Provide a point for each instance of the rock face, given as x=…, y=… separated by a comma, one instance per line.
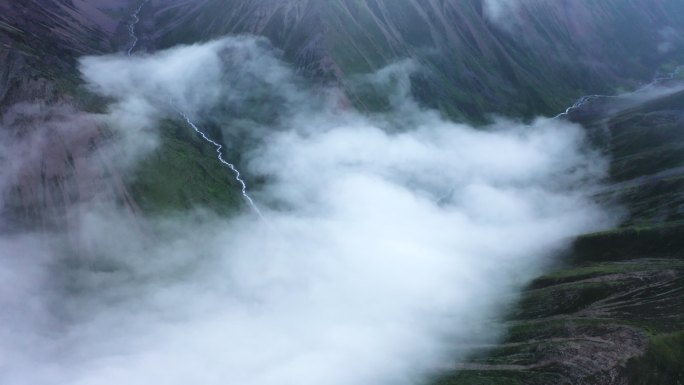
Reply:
x=534, y=58
x=611, y=313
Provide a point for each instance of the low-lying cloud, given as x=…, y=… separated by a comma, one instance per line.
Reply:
x=389, y=247
x=500, y=10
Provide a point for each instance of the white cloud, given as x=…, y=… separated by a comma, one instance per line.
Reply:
x=501, y=12
x=389, y=247
x=670, y=39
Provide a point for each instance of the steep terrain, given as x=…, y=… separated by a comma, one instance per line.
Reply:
x=39, y=91
x=473, y=65
x=41, y=40
x=611, y=312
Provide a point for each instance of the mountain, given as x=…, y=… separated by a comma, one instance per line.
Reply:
x=611, y=311
x=572, y=48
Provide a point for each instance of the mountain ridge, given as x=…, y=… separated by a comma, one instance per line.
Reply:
x=569, y=325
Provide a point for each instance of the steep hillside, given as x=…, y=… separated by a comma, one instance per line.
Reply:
x=39, y=94
x=610, y=312
x=40, y=90
x=474, y=64
x=40, y=41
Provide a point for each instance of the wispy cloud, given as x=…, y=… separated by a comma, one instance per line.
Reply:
x=392, y=240
x=502, y=12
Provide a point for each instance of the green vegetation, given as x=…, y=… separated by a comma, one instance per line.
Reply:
x=663, y=363
x=614, y=309
x=581, y=311
x=184, y=173
x=470, y=68
x=499, y=377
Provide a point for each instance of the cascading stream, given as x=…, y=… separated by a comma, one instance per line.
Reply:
x=218, y=148
x=587, y=98
x=135, y=19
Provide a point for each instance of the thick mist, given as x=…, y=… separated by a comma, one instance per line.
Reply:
x=390, y=245
x=499, y=11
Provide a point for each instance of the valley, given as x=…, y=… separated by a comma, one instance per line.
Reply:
x=609, y=309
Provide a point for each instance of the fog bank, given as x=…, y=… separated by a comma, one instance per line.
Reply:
x=391, y=242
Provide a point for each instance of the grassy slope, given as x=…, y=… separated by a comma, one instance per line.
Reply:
x=184, y=173
x=569, y=318
x=473, y=67
x=612, y=313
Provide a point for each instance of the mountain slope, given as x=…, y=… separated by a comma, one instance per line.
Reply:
x=610, y=313
x=41, y=91
x=473, y=65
